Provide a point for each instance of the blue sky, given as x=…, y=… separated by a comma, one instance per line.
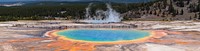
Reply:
x=34, y=0
x=76, y=0
x=39, y=0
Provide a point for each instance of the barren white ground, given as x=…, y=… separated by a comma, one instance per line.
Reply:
x=12, y=30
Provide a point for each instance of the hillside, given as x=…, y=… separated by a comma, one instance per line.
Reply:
x=167, y=10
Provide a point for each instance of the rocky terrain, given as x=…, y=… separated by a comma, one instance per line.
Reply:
x=17, y=36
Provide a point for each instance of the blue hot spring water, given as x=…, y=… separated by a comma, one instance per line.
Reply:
x=103, y=35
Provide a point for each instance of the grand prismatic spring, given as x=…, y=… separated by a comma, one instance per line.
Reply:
x=92, y=35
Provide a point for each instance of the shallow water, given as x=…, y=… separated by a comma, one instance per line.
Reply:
x=103, y=35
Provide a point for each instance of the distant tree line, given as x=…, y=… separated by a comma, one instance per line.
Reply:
x=71, y=11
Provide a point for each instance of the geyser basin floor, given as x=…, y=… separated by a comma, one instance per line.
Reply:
x=102, y=36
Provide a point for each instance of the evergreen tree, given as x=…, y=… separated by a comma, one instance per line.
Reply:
x=198, y=7
x=182, y=12
x=181, y=3
x=155, y=13
x=188, y=2
x=199, y=16
x=174, y=13
x=165, y=3
x=190, y=18
x=171, y=8
x=150, y=12
x=195, y=16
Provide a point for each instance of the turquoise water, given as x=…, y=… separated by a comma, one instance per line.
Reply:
x=103, y=35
